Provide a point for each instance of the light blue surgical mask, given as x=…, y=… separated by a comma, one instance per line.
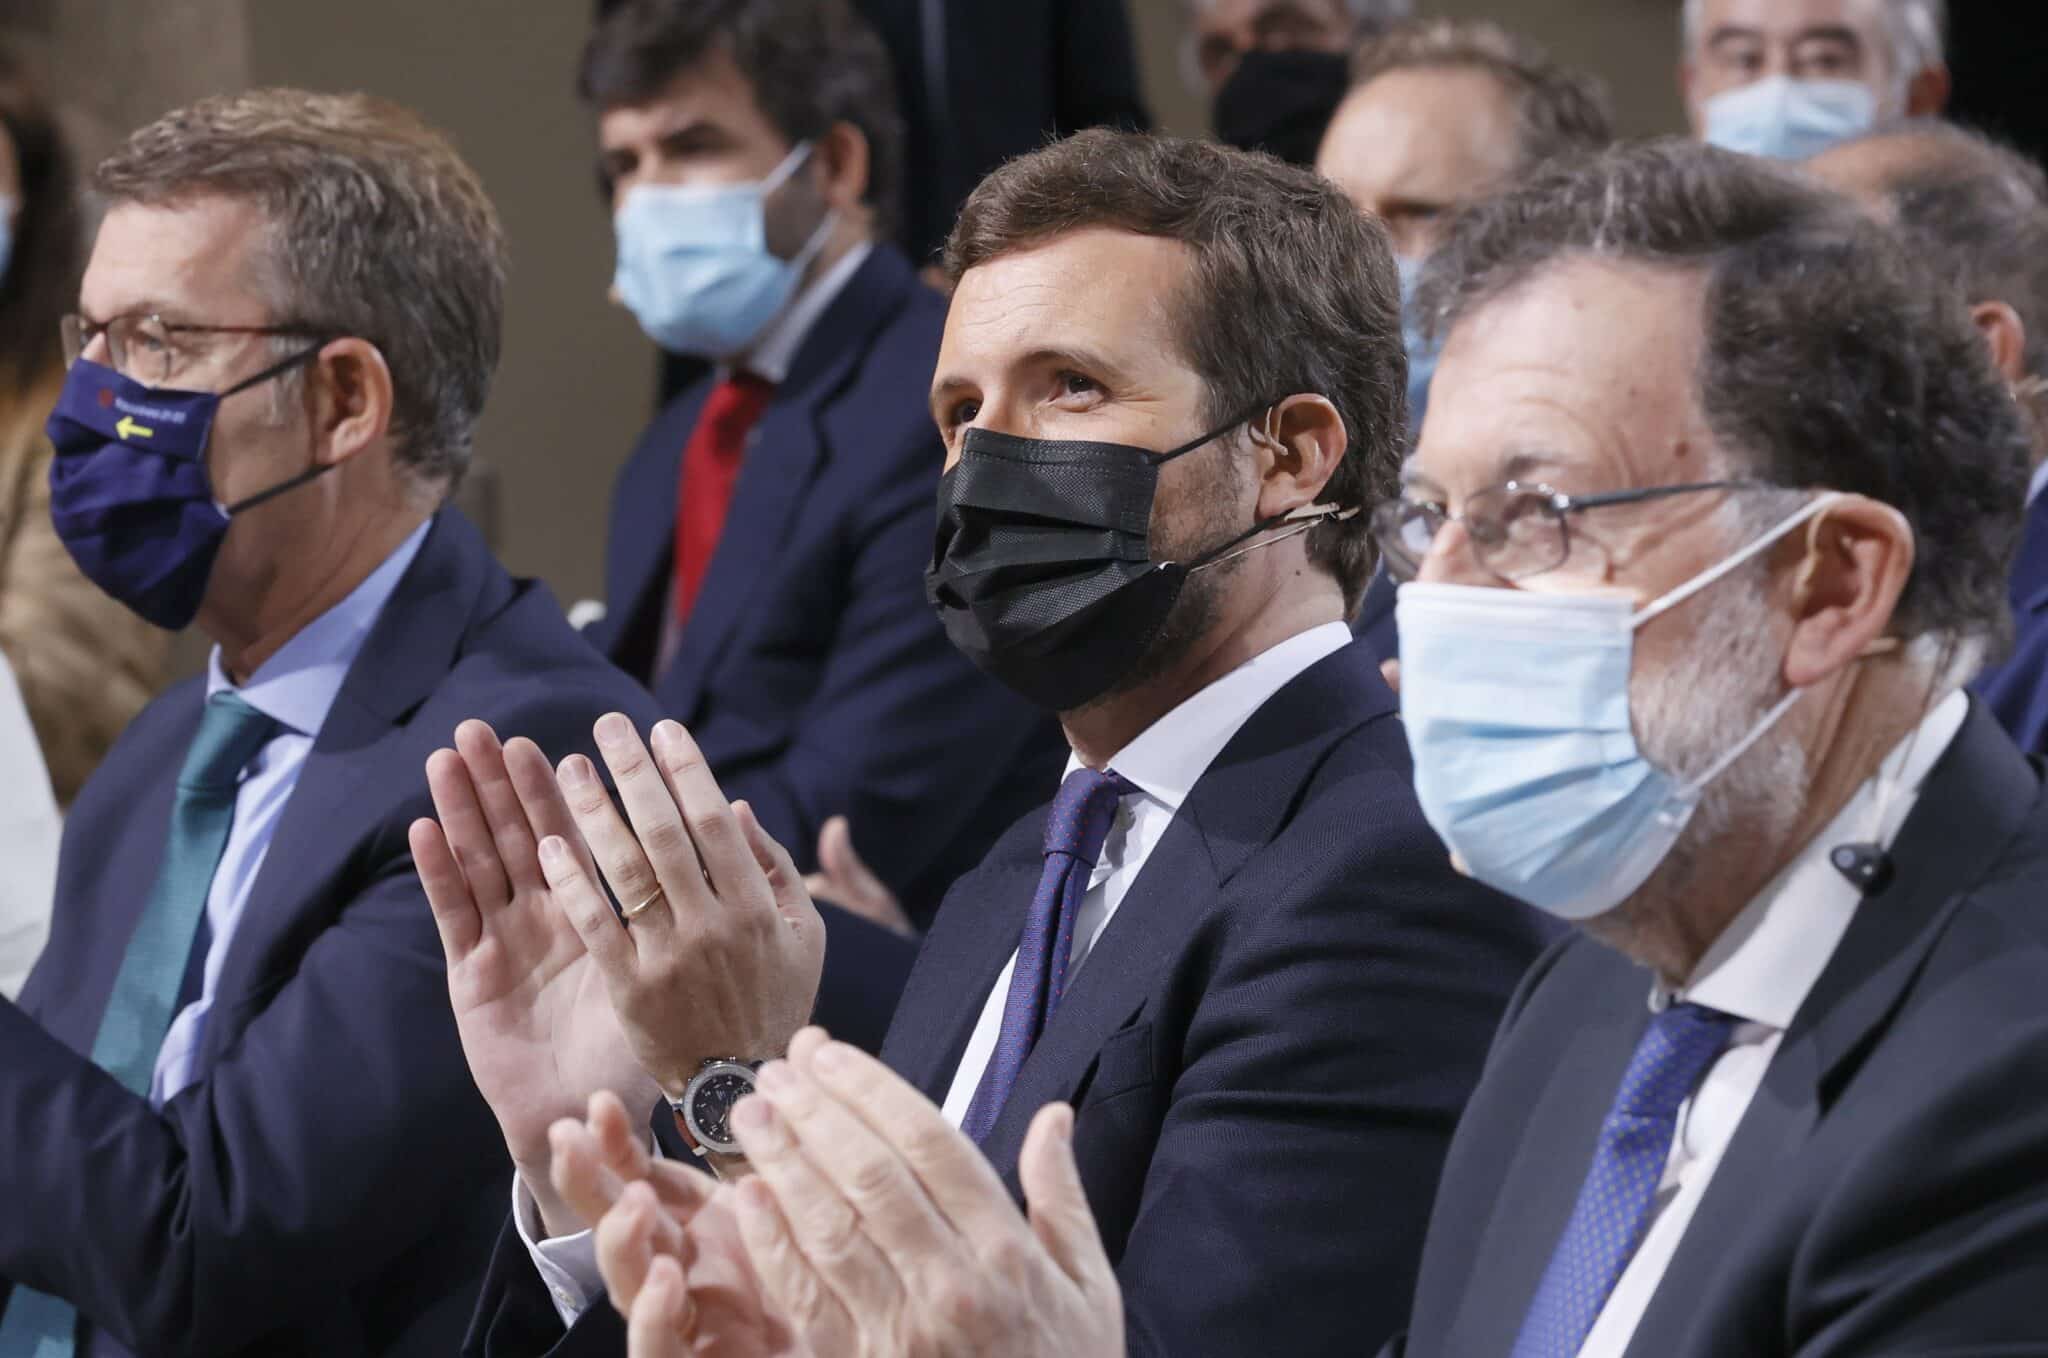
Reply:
x=1421, y=351
x=694, y=264
x=1786, y=119
x=1517, y=711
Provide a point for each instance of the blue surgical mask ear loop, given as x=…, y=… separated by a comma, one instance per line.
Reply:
x=1678, y=808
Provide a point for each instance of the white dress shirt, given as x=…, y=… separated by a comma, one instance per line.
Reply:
x=776, y=349
x=1163, y=763
x=296, y=688
x=1760, y=970
x=30, y=828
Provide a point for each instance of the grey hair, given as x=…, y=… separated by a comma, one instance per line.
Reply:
x=1834, y=358
x=1918, y=31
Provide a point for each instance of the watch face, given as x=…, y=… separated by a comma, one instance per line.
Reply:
x=714, y=1095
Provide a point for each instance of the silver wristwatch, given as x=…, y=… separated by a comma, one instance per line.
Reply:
x=704, y=1112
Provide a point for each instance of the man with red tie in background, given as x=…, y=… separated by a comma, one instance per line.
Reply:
x=764, y=573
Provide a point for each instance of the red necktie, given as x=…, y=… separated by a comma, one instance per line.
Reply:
x=711, y=467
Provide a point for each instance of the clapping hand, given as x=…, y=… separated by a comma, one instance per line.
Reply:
x=669, y=1230
x=716, y=950
x=877, y=1229
x=536, y=1023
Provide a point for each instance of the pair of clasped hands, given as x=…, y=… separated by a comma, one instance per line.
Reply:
x=860, y=1221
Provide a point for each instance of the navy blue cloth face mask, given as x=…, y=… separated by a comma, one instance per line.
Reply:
x=129, y=490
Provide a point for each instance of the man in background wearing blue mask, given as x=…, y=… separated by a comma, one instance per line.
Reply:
x=1789, y=78
x=1442, y=112
x=764, y=571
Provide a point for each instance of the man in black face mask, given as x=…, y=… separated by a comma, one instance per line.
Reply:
x=1171, y=377
x=1274, y=70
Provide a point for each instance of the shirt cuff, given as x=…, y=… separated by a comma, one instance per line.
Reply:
x=567, y=1263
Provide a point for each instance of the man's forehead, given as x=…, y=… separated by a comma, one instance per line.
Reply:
x=1427, y=131
x=709, y=90
x=1586, y=362
x=188, y=252
x=1109, y=285
x=1788, y=18
x=1230, y=14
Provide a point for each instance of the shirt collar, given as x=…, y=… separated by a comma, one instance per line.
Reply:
x=297, y=686
x=1169, y=756
x=776, y=350
x=2037, y=483
x=1766, y=961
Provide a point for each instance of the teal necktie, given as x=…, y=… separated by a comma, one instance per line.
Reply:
x=140, y=1010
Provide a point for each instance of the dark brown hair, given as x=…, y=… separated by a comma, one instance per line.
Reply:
x=41, y=281
x=378, y=230
x=1558, y=110
x=1292, y=289
x=811, y=63
x=1833, y=356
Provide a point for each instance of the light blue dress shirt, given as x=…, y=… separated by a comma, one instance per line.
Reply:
x=296, y=687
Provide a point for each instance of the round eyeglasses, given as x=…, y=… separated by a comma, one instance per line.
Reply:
x=1516, y=529
x=149, y=349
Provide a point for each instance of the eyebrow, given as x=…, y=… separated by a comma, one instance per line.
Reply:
x=1516, y=466
x=1091, y=362
x=1840, y=33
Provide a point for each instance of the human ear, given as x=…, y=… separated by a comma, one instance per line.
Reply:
x=1301, y=442
x=352, y=398
x=1846, y=587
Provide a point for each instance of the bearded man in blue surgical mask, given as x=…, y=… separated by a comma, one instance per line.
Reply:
x=764, y=572
x=1788, y=79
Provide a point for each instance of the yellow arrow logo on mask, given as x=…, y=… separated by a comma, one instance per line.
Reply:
x=127, y=428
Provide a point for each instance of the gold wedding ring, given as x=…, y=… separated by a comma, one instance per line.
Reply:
x=634, y=912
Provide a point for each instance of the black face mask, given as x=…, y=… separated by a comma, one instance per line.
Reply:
x=1042, y=571
x=1281, y=102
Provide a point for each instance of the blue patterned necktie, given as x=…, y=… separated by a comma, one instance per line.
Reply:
x=145, y=994
x=1613, y=1210
x=1074, y=833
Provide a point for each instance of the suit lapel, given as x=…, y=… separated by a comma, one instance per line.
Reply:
x=1553, y=1153
x=2029, y=587
x=407, y=654
x=781, y=463
x=1234, y=809
x=641, y=549
x=1977, y=798
x=976, y=931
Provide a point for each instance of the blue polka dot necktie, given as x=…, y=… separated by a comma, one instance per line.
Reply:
x=1074, y=833
x=145, y=995
x=1613, y=1210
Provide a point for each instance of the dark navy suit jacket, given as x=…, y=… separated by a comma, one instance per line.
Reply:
x=1886, y=1192
x=2017, y=691
x=332, y=1182
x=1374, y=622
x=812, y=671
x=1267, y=1050
x=1272, y=1039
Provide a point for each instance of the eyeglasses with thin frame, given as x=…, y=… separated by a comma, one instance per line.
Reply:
x=146, y=348
x=1517, y=530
